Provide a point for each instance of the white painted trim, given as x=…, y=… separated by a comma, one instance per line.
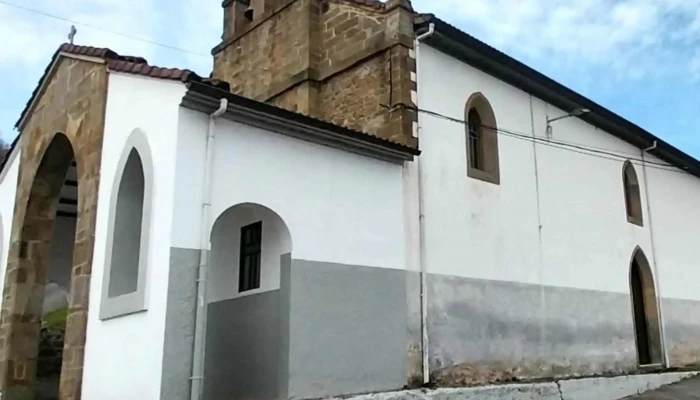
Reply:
x=10, y=159
x=96, y=60
x=2, y=239
x=130, y=303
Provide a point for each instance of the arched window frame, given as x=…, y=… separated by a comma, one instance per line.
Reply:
x=482, y=160
x=130, y=303
x=632, y=194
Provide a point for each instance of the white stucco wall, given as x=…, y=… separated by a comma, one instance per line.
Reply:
x=225, y=251
x=124, y=355
x=8, y=189
x=675, y=214
x=557, y=218
x=339, y=207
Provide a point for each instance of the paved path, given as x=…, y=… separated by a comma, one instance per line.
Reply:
x=688, y=389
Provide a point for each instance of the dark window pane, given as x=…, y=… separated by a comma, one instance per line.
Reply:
x=250, y=256
x=475, y=142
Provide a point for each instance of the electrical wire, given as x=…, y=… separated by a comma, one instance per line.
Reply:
x=125, y=35
x=620, y=159
x=572, y=147
x=600, y=152
x=567, y=146
x=529, y=136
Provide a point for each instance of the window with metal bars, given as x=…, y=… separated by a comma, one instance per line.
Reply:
x=633, y=198
x=475, y=142
x=250, y=255
x=481, y=140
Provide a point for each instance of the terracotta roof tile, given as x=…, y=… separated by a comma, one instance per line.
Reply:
x=98, y=52
x=118, y=63
x=182, y=75
x=422, y=18
x=216, y=93
x=139, y=66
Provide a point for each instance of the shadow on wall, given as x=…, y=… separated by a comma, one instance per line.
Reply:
x=233, y=273
x=55, y=307
x=243, y=354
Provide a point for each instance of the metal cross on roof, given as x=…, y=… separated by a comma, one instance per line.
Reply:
x=72, y=33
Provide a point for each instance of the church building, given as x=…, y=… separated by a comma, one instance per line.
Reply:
x=360, y=198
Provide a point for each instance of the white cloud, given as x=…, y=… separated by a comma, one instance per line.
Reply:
x=635, y=38
x=623, y=39
x=201, y=28
x=31, y=38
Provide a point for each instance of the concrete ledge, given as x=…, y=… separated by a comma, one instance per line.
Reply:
x=618, y=387
x=572, y=389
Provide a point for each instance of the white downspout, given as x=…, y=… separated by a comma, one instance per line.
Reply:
x=657, y=278
x=201, y=310
x=421, y=230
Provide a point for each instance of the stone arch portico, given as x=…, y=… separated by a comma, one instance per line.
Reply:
x=63, y=125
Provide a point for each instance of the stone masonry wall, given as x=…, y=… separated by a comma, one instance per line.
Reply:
x=266, y=53
x=66, y=124
x=346, y=30
x=335, y=60
x=344, y=61
x=354, y=98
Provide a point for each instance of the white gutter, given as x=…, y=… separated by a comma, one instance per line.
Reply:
x=657, y=278
x=421, y=229
x=652, y=147
x=201, y=310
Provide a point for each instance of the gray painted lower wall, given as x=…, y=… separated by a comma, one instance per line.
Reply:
x=337, y=329
x=484, y=331
x=179, y=324
x=414, y=363
x=242, y=357
x=347, y=329
x=682, y=331
x=481, y=331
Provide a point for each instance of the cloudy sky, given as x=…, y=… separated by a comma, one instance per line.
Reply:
x=640, y=58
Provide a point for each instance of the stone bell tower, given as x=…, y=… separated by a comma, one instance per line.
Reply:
x=344, y=61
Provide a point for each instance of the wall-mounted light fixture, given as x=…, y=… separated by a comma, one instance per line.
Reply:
x=575, y=113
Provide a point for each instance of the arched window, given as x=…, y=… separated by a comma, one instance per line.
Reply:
x=482, y=140
x=126, y=242
x=633, y=200
x=128, y=236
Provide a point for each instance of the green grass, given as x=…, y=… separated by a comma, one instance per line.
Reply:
x=56, y=320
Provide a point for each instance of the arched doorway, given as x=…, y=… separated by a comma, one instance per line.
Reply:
x=46, y=285
x=645, y=311
x=249, y=243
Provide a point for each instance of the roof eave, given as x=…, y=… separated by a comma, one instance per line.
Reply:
x=472, y=51
x=205, y=98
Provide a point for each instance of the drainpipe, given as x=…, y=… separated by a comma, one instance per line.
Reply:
x=201, y=310
x=421, y=230
x=657, y=278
